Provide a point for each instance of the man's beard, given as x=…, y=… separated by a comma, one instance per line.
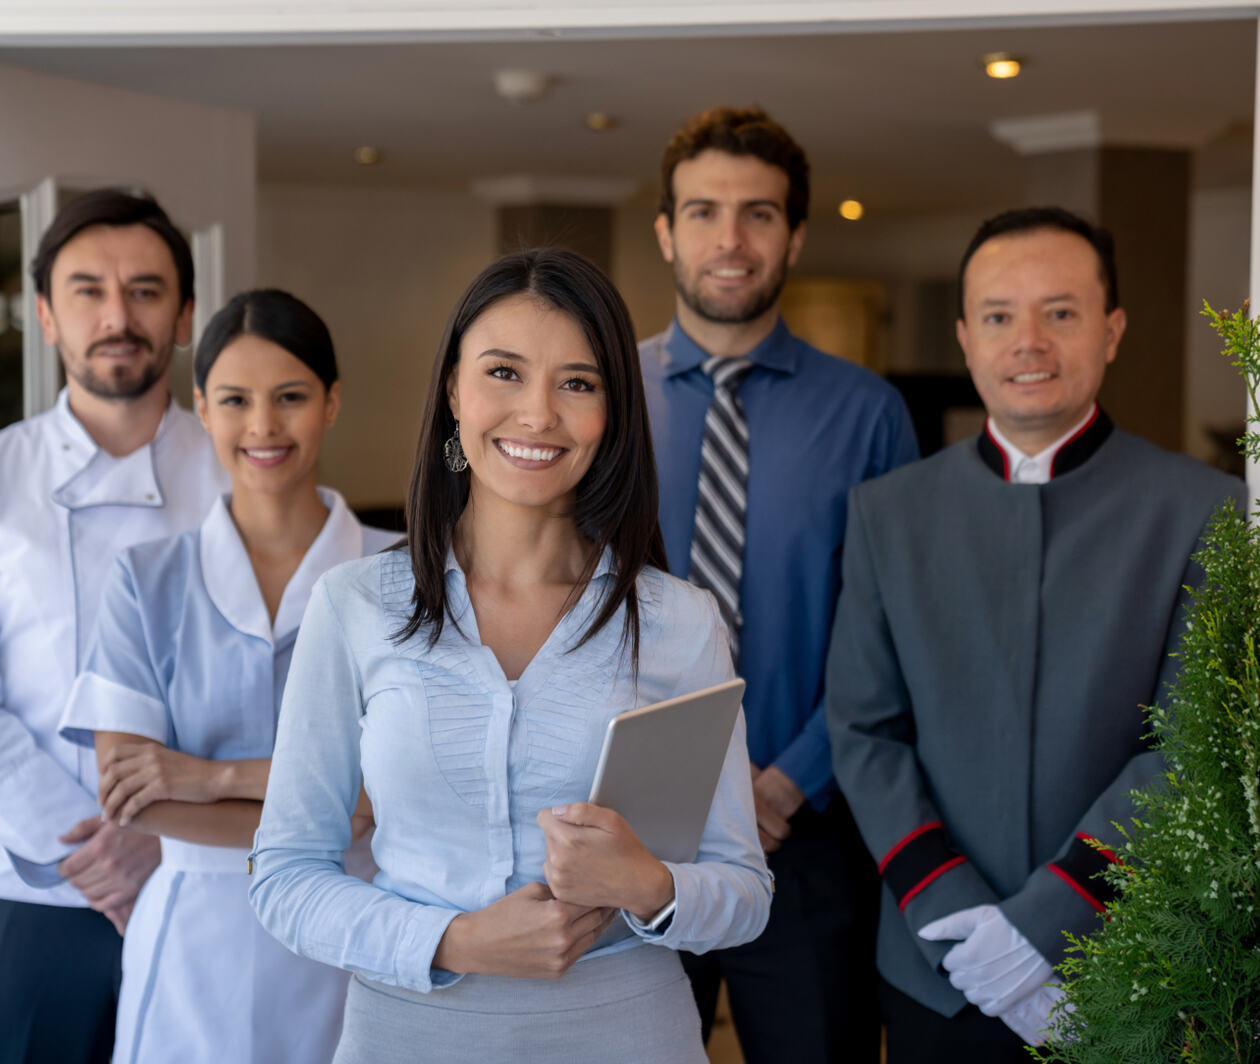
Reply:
x=122, y=382
x=754, y=304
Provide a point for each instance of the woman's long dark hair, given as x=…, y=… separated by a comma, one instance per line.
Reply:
x=616, y=504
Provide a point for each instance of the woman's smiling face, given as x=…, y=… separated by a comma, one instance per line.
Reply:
x=266, y=412
x=530, y=402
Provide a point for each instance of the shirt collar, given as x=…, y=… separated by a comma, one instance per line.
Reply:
x=777, y=351
x=229, y=575
x=603, y=567
x=96, y=478
x=1063, y=455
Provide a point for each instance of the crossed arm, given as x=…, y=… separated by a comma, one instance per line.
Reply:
x=152, y=789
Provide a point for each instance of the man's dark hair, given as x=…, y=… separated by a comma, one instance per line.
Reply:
x=114, y=207
x=1026, y=219
x=739, y=131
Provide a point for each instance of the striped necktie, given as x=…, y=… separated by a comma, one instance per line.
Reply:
x=717, y=542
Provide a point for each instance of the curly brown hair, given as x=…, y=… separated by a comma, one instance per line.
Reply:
x=739, y=131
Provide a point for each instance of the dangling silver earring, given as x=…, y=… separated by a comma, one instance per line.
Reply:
x=453, y=452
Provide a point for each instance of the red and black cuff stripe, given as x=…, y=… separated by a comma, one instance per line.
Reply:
x=1080, y=869
x=920, y=857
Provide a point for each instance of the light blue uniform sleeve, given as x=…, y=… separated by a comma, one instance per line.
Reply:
x=723, y=898
x=300, y=891
x=118, y=689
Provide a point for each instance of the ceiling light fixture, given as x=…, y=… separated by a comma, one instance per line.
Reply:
x=1001, y=65
x=851, y=210
x=601, y=122
x=367, y=155
x=522, y=86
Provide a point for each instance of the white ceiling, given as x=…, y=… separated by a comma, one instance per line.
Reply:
x=898, y=120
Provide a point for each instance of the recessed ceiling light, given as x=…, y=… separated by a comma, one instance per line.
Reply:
x=851, y=210
x=522, y=86
x=601, y=122
x=1001, y=65
x=367, y=155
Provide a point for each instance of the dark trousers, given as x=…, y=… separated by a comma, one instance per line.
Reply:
x=60, y=970
x=917, y=1034
x=805, y=990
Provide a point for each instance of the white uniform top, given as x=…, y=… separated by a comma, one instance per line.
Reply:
x=66, y=509
x=186, y=654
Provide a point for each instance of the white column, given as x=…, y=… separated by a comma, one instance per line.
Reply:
x=39, y=360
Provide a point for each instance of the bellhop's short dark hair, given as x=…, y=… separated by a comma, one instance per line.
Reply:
x=1027, y=219
x=273, y=315
x=739, y=131
x=114, y=207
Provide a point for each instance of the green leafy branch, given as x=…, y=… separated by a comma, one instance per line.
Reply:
x=1240, y=339
x=1172, y=976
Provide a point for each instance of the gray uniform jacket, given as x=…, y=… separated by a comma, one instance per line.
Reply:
x=993, y=646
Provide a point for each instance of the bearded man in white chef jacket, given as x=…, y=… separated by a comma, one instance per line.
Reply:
x=115, y=462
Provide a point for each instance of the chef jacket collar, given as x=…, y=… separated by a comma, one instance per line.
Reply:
x=229, y=575
x=96, y=478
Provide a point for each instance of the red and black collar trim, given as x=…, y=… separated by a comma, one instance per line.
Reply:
x=1075, y=451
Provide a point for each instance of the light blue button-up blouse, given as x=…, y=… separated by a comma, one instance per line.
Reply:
x=458, y=763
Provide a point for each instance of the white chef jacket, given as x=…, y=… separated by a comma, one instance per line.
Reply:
x=66, y=509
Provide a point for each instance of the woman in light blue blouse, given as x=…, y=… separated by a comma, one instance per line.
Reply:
x=180, y=692
x=468, y=682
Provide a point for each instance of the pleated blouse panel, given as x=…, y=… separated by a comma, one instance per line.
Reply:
x=501, y=752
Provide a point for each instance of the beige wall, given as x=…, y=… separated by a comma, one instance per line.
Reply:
x=641, y=275
x=383, y=267
x=1220, y=221
x=197, y=160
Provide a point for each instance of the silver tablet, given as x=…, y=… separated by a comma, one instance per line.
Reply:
x=660, y=765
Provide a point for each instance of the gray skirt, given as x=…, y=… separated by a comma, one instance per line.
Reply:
x=633, y=1007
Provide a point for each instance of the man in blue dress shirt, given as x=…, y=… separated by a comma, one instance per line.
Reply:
x=735, y=192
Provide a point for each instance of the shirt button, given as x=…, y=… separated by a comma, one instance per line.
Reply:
x=149, y=496
x=65, y=446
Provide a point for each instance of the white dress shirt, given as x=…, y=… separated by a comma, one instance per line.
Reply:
x=1036, y=468
x=66, y=509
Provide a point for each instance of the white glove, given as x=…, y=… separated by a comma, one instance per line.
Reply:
x=994, y=965
x=1030, y=1018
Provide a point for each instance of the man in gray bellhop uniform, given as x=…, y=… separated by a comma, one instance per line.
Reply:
x=1009, y=605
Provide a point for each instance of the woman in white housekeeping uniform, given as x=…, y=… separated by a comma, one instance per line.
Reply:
x=180, y=693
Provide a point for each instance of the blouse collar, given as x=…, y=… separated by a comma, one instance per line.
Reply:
x=229, y=575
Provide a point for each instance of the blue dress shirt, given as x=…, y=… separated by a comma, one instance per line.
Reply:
x=458, y=762
x=817, y=425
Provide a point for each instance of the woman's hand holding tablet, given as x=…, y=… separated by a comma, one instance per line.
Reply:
x=595, y=858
